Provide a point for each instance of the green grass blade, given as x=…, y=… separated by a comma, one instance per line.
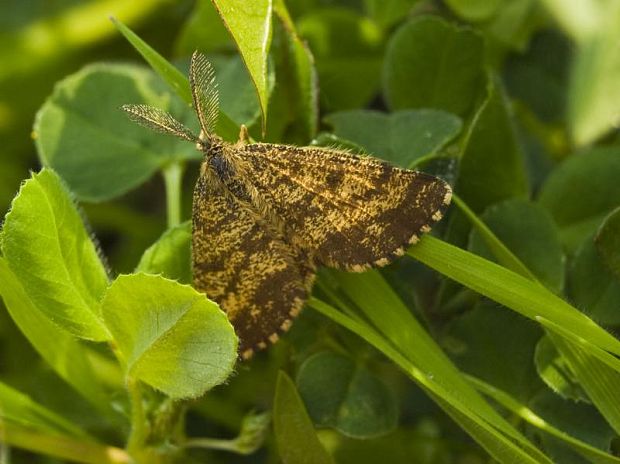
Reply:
x=173, y=77
x=591, y=453
x=459, y=400
x=510, y=289
x=18, y=408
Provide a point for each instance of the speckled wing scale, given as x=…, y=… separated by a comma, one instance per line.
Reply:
x=265, y=216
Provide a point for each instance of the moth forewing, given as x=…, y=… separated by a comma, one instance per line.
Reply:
x=158, y=120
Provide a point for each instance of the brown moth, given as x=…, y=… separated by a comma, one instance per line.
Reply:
x=266, y=215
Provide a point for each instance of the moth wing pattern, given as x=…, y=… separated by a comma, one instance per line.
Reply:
x=204, y=92
x=240, y=263
x=158, y=120
x=348, y=212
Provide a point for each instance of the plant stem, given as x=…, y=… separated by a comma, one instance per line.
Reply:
x=212, y=443
x=139, y=426
x=173, y=177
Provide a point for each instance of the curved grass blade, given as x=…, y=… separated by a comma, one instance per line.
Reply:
x=510, y=289
x=591, y=453
x=498, y=437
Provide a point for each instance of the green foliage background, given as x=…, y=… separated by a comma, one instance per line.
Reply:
x=497, y=341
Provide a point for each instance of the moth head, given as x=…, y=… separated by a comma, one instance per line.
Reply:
x=209, y=144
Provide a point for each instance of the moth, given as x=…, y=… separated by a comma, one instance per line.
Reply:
x=265, y=216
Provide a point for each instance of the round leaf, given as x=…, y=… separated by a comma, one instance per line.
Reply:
x=497, y=346
x=171, y=337
x=430, y=63
x=348, y=48
x=170, y=255
x=581, y=191
x=47, y=247
x=83, y=134
x=344, y=395
x=400, y=137
x=608, y=242
x=592, y=287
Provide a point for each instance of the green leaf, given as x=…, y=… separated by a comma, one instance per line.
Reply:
x=48, y=249
x=171, y=75
x=492, y=167
x=252, y=33
x=555, y=371
x=295, y=436
x=539, y=77
x=171, y=255
x=65, y=355
x=530, y=233
x=170, y=336
x=607, y=242
x=82, y=133
x=348, y=49
x=582, y=191
x=497, y=346
x=343, y=394
x=592, y=287
x=18, y=408
x=430, y=63
x=401, y=137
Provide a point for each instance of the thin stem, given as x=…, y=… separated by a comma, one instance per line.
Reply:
x=173, y=177
x=212, y=443
x=139, y=426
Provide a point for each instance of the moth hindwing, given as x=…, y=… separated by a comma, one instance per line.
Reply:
x=265, y=216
